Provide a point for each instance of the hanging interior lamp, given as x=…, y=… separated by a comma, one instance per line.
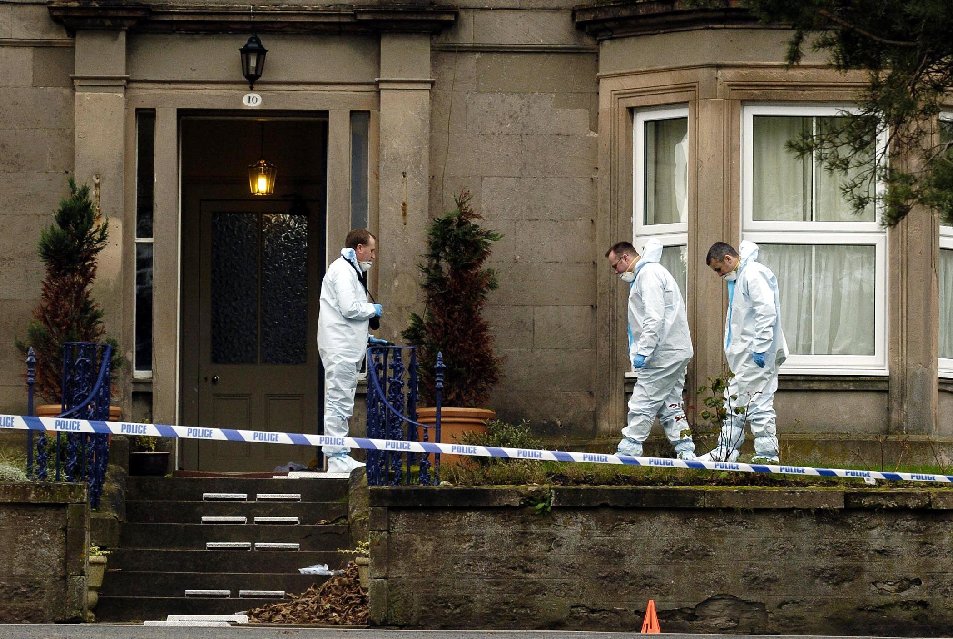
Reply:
x=262, y=174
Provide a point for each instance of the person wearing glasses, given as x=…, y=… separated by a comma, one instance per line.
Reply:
x=755, y=349
x=660, y=347
x=342, y=338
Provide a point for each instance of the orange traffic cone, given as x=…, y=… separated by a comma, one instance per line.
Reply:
x=650, y=625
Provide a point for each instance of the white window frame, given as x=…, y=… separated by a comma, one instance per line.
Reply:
x=859, y=233
x=668, y=234
x=642, y=116
x=945, y=364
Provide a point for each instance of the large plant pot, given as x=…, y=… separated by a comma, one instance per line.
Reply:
x=454, y=422
x=151, y=463
x=52, y=410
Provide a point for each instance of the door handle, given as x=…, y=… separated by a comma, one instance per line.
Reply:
x=215, y=379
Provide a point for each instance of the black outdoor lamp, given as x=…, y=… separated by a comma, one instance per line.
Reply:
x=253, y=60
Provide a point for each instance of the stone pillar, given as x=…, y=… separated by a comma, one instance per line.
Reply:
x=913, y=317
x=165, y=281
x=99, y=152
x=404, y=168
x=715, y=219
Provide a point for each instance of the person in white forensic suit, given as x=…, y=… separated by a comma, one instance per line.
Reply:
x=343, y=337
x=755, y=349
x=660, y=347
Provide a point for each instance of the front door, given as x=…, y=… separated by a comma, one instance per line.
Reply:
x=256, y=360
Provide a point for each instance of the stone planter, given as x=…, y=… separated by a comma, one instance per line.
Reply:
x=363, y=571
x=95, y=572
x=149, y=463
x=454, y=422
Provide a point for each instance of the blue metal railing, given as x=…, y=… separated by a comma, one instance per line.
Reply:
x=74, y=457
x=392, y=393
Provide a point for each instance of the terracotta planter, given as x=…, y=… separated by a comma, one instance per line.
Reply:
x=149, y=463
x=52, y=410
x=454, y=422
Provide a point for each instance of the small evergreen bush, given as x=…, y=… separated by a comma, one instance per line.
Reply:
x=456, y=285
x=67, y=312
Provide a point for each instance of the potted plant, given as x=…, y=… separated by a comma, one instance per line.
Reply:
x=145, y=459
x=95, y=572
x=67, y=312
x=456, y=285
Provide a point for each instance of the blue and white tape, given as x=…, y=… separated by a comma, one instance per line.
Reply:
x=55, y=424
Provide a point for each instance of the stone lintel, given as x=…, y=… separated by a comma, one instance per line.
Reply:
x=337, y=19
x=621, y=19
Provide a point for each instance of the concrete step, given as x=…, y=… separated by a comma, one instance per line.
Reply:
x=194, y=536
x=133, y=559
x=190, y=512
x=135, y=609
x=192, y=488
x=174, y=584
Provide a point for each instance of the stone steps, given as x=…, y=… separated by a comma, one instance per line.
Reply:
x=174, y=560
x=174, y=584
x=193, y=511
x=163, y=544
x=195, y=536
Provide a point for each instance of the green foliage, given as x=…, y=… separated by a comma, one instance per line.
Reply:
x=504, y=435
x=542, y=505
x=361, y=549
x=10, y=472
x=96, y=551
x=143, y=443
x=906, y=49
x=456, y=285
x=67, y=313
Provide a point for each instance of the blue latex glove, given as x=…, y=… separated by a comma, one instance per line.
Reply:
x=639, y=361
x=378, y=310
x=374, y=341
x=758, y=359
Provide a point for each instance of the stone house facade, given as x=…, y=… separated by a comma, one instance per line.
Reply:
x=573, y=127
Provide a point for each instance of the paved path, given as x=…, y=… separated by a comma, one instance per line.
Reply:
x=104, y=631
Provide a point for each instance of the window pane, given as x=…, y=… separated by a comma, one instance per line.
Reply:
x=674, y=258
x=827, y=296
x=234, y=298
x=781, y=181
x=284, y=289
x=666, y=171
x=360, y=125
x=143, y=354
x=145, y=173
x=831, y=205
x=946, y=303
x=788, y=188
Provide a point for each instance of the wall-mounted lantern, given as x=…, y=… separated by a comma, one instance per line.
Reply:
x=253, y=60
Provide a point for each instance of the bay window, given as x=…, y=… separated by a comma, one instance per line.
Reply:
x=945, y=272
x=829, y=260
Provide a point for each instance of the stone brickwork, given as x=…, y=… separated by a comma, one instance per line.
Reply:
x=514, y=121
x=45, y=532
x=36, y=151
x=715, y=560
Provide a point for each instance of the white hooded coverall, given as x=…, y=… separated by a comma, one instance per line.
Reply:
x=753, y=325
x=342, y=342
x=658, y=329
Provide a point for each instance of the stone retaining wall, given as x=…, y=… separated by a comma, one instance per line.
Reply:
x=44, y=530
x=873, y=561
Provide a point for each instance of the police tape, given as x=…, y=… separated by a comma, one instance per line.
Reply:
x=56, y=424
